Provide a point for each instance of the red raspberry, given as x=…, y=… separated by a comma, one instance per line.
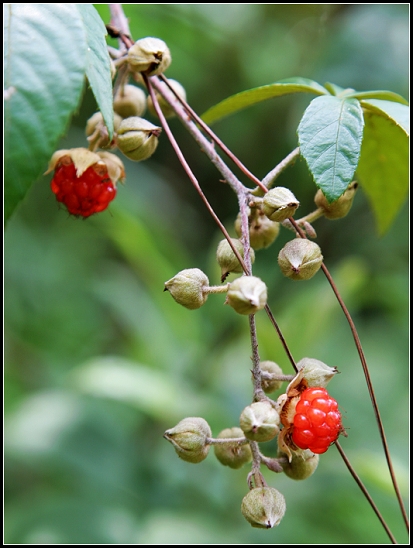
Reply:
x=84, y=195
x=317, y=421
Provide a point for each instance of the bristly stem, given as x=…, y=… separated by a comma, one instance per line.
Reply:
x=367, y=377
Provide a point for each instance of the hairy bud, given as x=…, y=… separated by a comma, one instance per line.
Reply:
x=247, y=295
x=269, y=370
x=260, y=421
x=149, y=55
x=227, y=259
x=315, y=372
x=263, y=507
x=300, y=259
x=339, y=208
x=189, y=438
x=303, y=464
x=263, y=232
x=137, y=138
x=187, y=288
x=279, y=204
x=234, y=455
x=130, y=101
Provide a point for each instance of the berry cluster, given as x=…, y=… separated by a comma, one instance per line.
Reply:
x=317, y=421
x=85, y=195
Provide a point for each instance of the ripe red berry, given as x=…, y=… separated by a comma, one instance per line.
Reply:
x=87, y=194
x=317, y=420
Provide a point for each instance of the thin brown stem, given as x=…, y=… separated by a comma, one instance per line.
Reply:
x=368, y=380
x=214, y=137
x=365, y=492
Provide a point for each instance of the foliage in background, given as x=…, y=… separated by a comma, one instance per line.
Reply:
x=99, y=363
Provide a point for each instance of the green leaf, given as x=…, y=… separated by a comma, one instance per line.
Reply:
x=98, y=70
x=379, y=94
x=250, y=97
x=45, y=62
x=399, y=114
x=330, y=135
x=383, y=170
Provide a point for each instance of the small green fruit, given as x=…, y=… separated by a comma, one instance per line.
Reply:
x=269, y=370
x=303, y=464
x=189, y=438
x=300, y=259
x=187, y=288
x=137, y=138
x=227, y=259
x=260, y=421
x=233, y=456
x=149, y=55
x=339, y=208
x=279, y=203
x=247, y=295
x=130, y=101
x=263, y=507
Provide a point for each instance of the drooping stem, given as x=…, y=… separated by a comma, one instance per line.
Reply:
x=367, y=377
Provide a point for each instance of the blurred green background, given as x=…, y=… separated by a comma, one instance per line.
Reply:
x=99, y=361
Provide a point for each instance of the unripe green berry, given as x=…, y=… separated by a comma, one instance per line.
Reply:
x=187, y=288
x=300, y=259
x=279, y=203
x=270, y=369
x=233, y=456
x=315, y=372
x=227, y=259
x=263, y=232
x=260, y=421
x=149, y=55
x=247, y=294
x=166, y=108
x=137, y=138
x=189, y=438
x=263, y=507
x=130, y=101
x=303, y=464
x=339, y=208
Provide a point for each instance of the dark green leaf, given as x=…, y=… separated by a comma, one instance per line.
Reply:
x=399, y=114
x=383, y=170
x=45, y=62
x=379, y=94
x=330, y=135
x=250, y=97
x=98, y=62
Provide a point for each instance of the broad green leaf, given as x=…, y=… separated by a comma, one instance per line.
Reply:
x=379, y=94
x=330, y=135
x=383, y=170
x=45, y=63
x=250, y=97
x=399, y=114
x=98, y=62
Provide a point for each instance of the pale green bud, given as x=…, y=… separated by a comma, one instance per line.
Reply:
x=137, y=138
x=187, y=288
x=279, y=204
x=260, y=421
x=130, y=101
x=247, y=295
x=233, y=456
x=339, y=208
x=149, y=55
x=303, y=464
x=315, y=372
x=189, y=438
x=270, y=369
x=166, y=108
x=300, y=259
x=263, y=232
x=263, y=507
x=227, y=259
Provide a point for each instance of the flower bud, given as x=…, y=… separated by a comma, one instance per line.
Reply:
x=187, y=288
x=303, y=464
x=189, y=438
x=166, y=108
x=315, y=372
x=247, y=294
x=260, y=421
x=300, y=259
x=263, y=507
x=270, y=369
x=227, y=259
x=262, y=230
x=233, y=456
x=149, y=55
x=279, y=204
x=137, y=138
x=96, y=129
x=129, y=101
x=340, y=207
